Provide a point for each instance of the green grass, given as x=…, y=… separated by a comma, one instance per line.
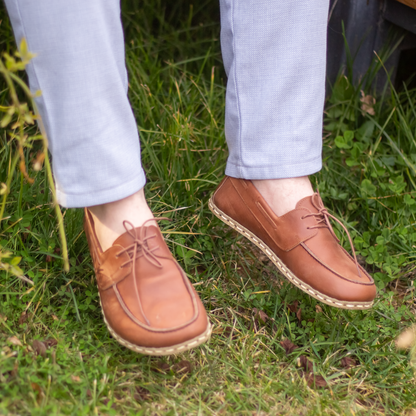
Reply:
x=177, y=88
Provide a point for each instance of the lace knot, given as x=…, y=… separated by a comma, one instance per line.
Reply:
x=139, y=246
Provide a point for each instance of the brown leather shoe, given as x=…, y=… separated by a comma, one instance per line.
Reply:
x=148, y=303
x=301, y=244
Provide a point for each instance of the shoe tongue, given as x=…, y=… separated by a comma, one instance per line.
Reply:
x=313, y=203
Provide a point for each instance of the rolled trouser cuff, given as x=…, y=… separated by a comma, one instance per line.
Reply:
x=103, y=196
x=274, y=171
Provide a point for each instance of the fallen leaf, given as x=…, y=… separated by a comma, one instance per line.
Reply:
x=6, y=350
x=75, y=379
x=294, y=306
x=299, y=314
x=141, y=394
x=318, y=309
x=38, y=391
x=406, y=339
x=39, y=347
x=218, y=329
x=55, y=318
x=50, y=342
x=305, y=363
x=117, y=396
x=36, y=387
x=23, y=318
x=260, y=315
x=48, y=258
x=227, y=332
x=182, y=367
x=348, y=362
x=13, y=372
x=57, y=250
x=37, y=163
x=288, y=346
x=15, y=341
x=368, y=103
x=315, y=381
x=161, y=367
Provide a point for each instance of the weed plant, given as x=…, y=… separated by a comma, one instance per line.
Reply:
x=57, y=357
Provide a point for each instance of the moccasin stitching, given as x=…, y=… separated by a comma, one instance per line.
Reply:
x=266, y=215
x=150, y=328
x=359, y=265
x=221, y=185
x=332, y=270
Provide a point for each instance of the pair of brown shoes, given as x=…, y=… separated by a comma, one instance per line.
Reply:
x=150, y=306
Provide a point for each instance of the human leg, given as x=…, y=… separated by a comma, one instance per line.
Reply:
x=148, y=302
x=91, y=129
x=274, y=55
x=79, y=67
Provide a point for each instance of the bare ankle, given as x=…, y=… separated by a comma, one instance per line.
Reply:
x=282, y=195
x=108, y=218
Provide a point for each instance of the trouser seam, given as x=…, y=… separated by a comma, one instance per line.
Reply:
x=236, y=85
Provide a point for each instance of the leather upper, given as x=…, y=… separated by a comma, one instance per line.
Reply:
x=145, y=295
x=302, y=238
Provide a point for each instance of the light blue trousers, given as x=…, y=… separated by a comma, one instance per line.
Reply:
x=274, y=53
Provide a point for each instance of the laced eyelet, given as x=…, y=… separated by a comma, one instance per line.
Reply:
x=302, y=218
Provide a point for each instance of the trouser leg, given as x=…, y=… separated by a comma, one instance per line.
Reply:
x=274, y=54
x=80, y=69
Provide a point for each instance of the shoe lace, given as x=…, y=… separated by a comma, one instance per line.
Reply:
x=322, y=217
x=139, y=248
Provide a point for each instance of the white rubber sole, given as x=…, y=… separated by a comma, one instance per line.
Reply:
x=282, y=267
